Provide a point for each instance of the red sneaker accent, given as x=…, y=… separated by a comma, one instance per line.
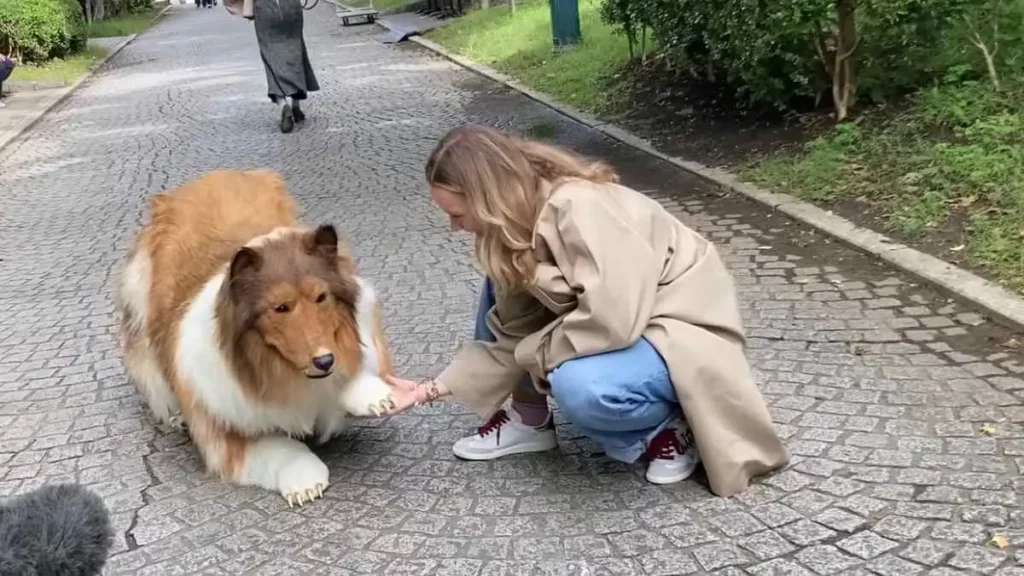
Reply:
x=665, y=446
x=495, y=423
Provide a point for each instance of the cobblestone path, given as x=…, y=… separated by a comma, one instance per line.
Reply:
x=903, y=411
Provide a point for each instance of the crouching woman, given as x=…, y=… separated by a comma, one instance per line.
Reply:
x=598, y=297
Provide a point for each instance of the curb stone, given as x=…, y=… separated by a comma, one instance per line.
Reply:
x=27, y=124
x=994, y=300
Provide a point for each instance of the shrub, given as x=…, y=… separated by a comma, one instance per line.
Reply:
x=114, y=8
x=781, y=52
x=37, y=30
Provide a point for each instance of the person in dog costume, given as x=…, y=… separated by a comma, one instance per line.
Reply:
x=598, y=297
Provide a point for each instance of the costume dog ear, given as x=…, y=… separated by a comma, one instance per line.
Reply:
x=323, y=241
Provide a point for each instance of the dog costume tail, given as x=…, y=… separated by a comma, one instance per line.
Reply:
x=60, y=529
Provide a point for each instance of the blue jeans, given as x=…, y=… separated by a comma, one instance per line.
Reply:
x=619, y=399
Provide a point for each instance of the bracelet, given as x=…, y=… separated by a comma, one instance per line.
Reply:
x=432, y=392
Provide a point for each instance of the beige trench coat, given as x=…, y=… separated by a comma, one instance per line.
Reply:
x=615, y=266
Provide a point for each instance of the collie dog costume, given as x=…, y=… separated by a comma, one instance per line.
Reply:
x=250, y=329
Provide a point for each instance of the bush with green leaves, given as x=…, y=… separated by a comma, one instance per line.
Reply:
x=38, y=30
x=114, y=8
x=782, y=52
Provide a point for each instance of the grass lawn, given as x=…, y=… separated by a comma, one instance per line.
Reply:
x=69, y=69
x=945, y=172
x=66, y=70
x=124, y=25
x=381, y=5
x=952, y=163
x=519, y=45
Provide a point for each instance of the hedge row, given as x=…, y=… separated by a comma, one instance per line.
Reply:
x=782, y=52
x=37, y=30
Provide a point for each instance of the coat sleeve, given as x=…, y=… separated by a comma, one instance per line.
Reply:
x=613, y=271
x=482, y=375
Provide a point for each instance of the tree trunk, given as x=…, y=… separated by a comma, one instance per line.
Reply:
x=88, y=11
x=643, y=45
x=988, y=53
x=98, y=10
x=844, y=72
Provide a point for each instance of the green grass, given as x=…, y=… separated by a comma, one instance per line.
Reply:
x=956, y=153
x=124, y=25
x=519, y=44
x=67, y=70
x=60, y=70
x=381, y=5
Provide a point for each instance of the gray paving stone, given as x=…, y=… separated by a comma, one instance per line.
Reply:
x=890, y=565
x=977, y=558
x=825, y=559
x=879, y=396
x=766, y=545
x=866, y=544
x=927, y=552
x=779, y=567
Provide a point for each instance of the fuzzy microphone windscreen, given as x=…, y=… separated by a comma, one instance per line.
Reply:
x=56, y=530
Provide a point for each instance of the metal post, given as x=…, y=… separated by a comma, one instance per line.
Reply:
x=565, y=23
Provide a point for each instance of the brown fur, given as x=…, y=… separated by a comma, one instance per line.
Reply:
x=285, y=299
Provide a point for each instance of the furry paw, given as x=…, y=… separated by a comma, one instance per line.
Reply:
x=177, y=422
x=367, y=395
x=303, y=480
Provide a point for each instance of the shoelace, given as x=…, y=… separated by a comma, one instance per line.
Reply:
x=665, y=446
x=499, y=419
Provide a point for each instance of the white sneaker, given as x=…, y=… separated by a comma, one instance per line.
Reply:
x=673, y=454
x=506, y=434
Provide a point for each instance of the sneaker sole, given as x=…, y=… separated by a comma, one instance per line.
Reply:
x=535, y=446
x=676, y=477
x=670, y=479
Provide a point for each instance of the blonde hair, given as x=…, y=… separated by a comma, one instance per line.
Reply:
x=502, y=178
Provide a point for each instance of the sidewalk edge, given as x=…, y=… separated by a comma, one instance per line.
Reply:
x=56, y=100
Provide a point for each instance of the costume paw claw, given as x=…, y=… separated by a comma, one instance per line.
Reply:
x=301, y=497
x=382, y=407
x=303, y=480
x=368, y=396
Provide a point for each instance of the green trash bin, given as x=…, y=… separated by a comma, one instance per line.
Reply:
x=565, y=23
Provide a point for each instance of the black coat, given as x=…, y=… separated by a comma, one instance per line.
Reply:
x=6, y=67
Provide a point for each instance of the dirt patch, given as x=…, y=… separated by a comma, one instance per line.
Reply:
x=701, y=122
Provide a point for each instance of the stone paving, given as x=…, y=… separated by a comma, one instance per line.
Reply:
x=903, y=410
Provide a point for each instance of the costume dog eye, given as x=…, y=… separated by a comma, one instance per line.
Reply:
x=281, y=308
x=321, y=298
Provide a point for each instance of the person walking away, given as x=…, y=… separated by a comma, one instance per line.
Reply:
x=6, y=69
x=596, y=296
x=290, y=76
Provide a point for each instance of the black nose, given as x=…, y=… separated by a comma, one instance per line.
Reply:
x=324, y=362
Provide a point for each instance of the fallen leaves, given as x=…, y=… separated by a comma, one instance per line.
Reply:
x=1012, y=343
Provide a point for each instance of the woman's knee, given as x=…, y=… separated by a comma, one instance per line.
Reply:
x=580, y=391
x=604, y=391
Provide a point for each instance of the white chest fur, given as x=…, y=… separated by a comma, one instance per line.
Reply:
x=202, y=365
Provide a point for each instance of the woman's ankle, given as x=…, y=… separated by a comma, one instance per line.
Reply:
x=532, y=414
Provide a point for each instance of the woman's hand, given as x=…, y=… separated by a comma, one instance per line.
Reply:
x=406, y=393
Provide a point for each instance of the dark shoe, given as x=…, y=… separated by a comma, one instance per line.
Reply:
x=298, y=114
x=287, y=120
